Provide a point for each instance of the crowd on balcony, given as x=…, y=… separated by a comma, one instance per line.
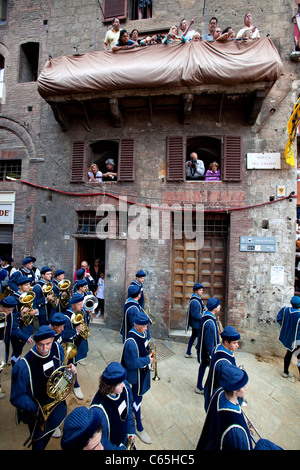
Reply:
x=119, y=39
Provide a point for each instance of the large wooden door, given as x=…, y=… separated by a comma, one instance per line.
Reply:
x=207, y=265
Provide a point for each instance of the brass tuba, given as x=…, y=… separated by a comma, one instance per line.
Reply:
x=64, y=286
x=90, y=302
x=47, y=290
x=78, y=318
x=70, y=350
x=59, y=386
x=27, y=300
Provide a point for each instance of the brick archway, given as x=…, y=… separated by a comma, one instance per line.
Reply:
x=21, y=132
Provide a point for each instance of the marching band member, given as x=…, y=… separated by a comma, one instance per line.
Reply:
x=195, y=311
x=136, y=359
x=6, y=330
x=289, y=320
x=26, y=269
x=138, y=281
x=221, y=360
x=57, y=324
x=19, y=340
x=42, y=301
x=73, y=333
x=83, y=431
x=131, y=309
x=113, y=400
x=208, y=338
x=29, y=386
x=225, y=426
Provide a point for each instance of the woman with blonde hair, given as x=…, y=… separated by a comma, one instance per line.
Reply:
x=173, y=36
x=94, y=174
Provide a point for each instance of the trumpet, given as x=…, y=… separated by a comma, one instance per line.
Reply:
x=47, y=289
x=130, y=443
x=147, y=311
x=64, y=286
x=252, y=429
x=154, y=353
x=27, y=300
x=76, y=319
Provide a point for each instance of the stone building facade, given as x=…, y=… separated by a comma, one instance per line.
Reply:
x=55, y=212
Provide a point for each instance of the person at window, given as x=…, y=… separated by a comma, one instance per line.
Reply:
x=149, y=40
x=194, y=168
x=173, y=36
x=196, y=37
x=124, y=42
x=94, y=174
x=213, y=172
x=111, y=174
x=185, y=28
x=213, y=22
x=248, y=30
x=112, y=36
x=144, y=9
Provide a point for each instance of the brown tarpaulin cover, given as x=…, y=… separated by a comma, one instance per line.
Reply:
x=173, y=65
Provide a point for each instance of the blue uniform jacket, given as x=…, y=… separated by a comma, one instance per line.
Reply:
x=289, y=319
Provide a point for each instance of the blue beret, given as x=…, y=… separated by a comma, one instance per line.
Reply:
x=295, y=301
x=81, y=282
x=140, y=273
x=212, y=303
x=114, y=374
x=238, y=379
x=133, y=290
x=58, y=319
x=80, y=273
x=22, y=280
x=76, y=298
x=230, y=334
x=198, y=286
x=58, y=272
x=9, y=301
x=44, y=332
x=79, y=426
x=3, y=274
x=45, y=269
x=140, y=318
x=29, y=259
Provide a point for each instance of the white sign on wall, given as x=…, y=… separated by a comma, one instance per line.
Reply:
x=263, y=161
x=7, y=207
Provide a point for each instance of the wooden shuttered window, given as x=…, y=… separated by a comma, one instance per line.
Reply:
x=126, y=164
x=78, y=162
x=114, y=9
x=176, y=158
x=232, y=158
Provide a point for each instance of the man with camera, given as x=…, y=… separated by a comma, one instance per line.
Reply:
x=194, y=168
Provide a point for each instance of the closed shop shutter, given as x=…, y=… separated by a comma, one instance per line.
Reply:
x=6, y=234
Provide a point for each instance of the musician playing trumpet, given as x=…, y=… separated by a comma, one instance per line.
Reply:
x=72, y=333
x=225, y=426
x=136, y=359
x=20, y=338
x=29, y=387
x=42, y=300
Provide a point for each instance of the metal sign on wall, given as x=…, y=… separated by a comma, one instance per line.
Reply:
x=258, y=244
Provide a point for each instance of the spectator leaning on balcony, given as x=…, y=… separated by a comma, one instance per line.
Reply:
x=194, y=168
x=185, y=28
x=124, y=42
x=173, y=36
x=112, y=36
x=248, y=30
x=213, y=22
